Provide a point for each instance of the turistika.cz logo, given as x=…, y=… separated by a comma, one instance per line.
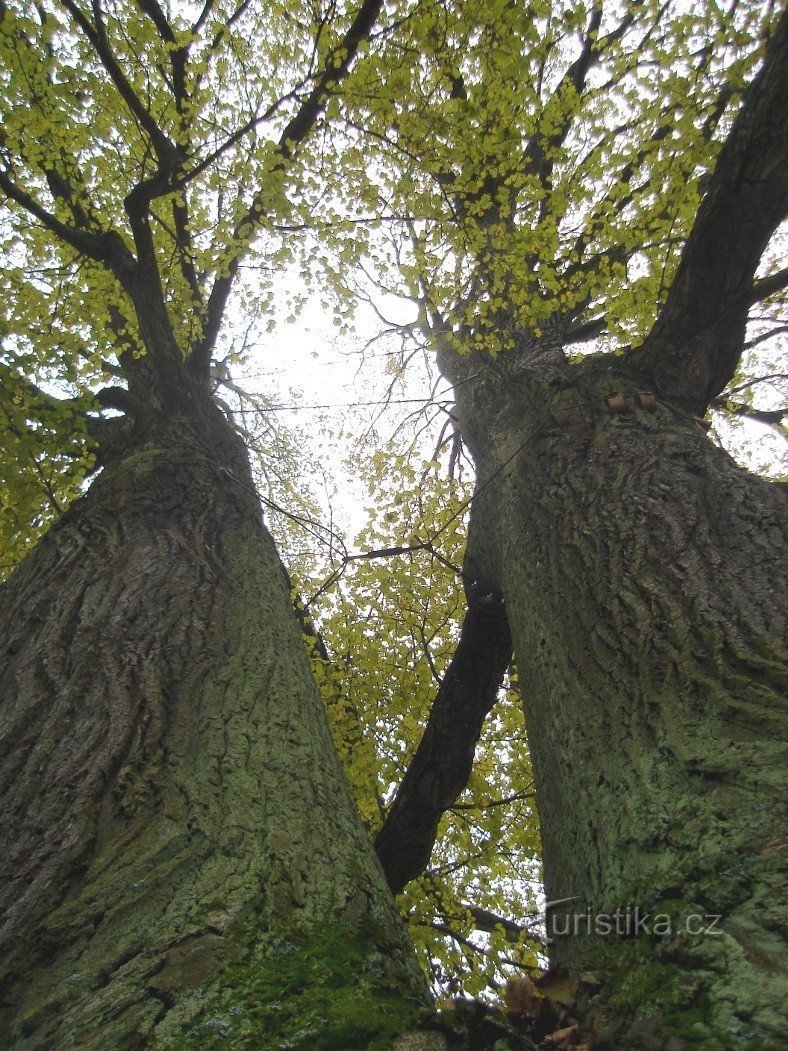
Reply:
x=626, y=921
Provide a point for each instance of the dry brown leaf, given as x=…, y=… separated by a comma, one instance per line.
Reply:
x=563, y=1038
x=522, y=998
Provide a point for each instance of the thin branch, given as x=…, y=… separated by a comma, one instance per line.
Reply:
x=757, y=379
x=338, y=64
x=737, y=408
x=235, y=138
x=767, y=286
x=485, y=920
x=489, y=805
x=764, y=336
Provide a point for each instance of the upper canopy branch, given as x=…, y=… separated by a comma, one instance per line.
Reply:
x=337, y=65
x=105, y=247
x=540, y=150
x=178, y=55
x=88, y=234
x=168, y=154
x=695, y=345
x=96, y=33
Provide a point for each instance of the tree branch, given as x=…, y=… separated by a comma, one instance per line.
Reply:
x=737, y=408
x=767, y=286
x=122, y=400
x=298, y=128
x=485, y=920
x=105, y=248
x=538, y=152
x=585, y=331
x=184, y=245
x=62, y=190
x=40, y=399
x=696, y=343
x=96, y=34
x=178, y=55
x=442, y=763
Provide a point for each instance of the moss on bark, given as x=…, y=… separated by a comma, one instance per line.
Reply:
x=330, y=989
x=640, y=567
x=174, y=801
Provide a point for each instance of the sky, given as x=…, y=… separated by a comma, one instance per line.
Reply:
x=318, y=379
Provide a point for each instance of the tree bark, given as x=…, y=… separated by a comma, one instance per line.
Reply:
x=442, y=763
x=180, y=855
x=641, y=569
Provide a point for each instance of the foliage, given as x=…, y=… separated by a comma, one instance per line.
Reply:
x=508, y=167
x=538, y=166
x=44, y=459
x=390, y=628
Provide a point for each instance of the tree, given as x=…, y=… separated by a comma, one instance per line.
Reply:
x=642, y=616
x=616, y=170
x=182, y=858
x=466, y=866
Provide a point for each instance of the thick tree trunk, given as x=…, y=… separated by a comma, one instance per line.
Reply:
x=643, y=576
x=181, y=857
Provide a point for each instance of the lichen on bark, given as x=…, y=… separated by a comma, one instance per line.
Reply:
x=167, y=766
x=639, y=566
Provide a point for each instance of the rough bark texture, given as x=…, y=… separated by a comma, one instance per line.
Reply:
x=644, y=581
x=181, y=863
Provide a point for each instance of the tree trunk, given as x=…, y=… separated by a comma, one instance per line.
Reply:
x=642, y=574
x=181, y=857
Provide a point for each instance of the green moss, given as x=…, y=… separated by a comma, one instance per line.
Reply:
x=327, y=990
x=657, y=998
